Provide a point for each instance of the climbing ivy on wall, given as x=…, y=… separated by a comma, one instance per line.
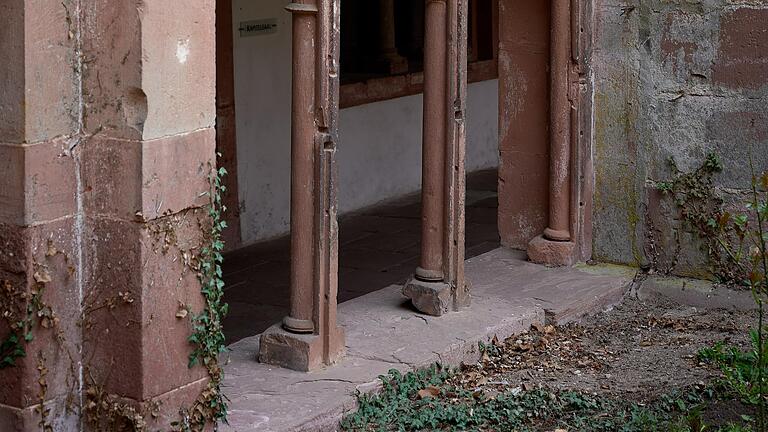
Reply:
x=724, y=234
x=207, y=336
x=22, y=310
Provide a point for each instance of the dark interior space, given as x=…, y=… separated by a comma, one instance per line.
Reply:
x=363, y=44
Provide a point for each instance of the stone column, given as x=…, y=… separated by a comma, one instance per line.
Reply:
x=40, y=220
x=434, y=143
x=302, y=168
x=555, y=246
x=393, y=61
x=309, y=337
x=438, y=285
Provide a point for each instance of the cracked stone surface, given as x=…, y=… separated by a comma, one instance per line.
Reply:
x=383, y=333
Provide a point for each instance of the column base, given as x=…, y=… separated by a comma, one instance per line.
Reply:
x=549, y=252
x=431, y=298
x=394, y=64
x=299, y=352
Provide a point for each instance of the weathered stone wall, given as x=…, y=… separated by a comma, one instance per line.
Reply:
x=673, y=79
x=107, y=138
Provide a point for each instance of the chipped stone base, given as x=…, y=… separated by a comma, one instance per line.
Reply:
x=299, y=352
x=553, y=253
x=431, y=298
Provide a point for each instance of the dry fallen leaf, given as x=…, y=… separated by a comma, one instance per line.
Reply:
x=51, y=249
x=430, y=391
x=42, y=276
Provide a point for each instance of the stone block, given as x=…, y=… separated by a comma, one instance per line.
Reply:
x=29, y=419
x=39, y=270
x=740, y=63
x=12, y=71
x=52, y=96
x=138, y=318
x=298, y=352
x=157, y=414
x=145, y=180
x=37, y=182
x=431, y=298
x=553, y=253
x=39, y=100
x=157, y=81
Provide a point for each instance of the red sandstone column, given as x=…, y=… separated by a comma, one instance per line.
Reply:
x=310, y=337
x=387, y=43
x=559, y=119
x=438, y=285
x=555, y=246
x=302, y=167
x=434, y=142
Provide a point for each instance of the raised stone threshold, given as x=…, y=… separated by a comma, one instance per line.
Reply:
x=384, y=332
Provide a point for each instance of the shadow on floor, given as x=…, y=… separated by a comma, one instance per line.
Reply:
x=378, y=247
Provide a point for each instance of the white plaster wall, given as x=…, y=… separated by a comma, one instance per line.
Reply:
x=263, y=111
x=380, y=143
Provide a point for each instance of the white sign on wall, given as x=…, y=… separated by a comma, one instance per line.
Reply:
x=258, y=27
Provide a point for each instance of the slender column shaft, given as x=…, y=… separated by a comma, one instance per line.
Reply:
x=434, y=142
x=300, y=319
x=559, y=138
x=387, y=30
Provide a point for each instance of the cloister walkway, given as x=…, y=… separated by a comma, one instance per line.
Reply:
x=378, y=247
x=378, y=251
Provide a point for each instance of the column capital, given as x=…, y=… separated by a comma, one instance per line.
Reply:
x=301, y=8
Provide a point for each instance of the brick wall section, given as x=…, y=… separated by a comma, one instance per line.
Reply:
x=673, y=79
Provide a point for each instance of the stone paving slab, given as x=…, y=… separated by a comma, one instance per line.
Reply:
x=565, y=293
x=383, y=333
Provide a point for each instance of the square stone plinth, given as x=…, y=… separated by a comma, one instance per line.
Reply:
x=552, y=253
x=299, y=352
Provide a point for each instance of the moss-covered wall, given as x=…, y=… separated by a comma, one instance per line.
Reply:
x=673, y=79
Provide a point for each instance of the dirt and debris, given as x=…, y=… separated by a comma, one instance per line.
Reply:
x=642, y=348
x=634, y=368
x=637, y=351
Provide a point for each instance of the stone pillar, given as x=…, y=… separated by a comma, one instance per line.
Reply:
x=149, y=82
x=438, y=285
x=434, y=143
x=392, y=60
x=309, y=337
x=556, y=246
x=302, y=168
x=39, y=216
x=106, y=144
